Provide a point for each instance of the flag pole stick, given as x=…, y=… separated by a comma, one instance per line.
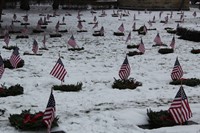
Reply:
x=59, y=58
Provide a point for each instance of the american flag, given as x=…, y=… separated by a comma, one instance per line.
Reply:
x=63, y=19
x=102, y=30
x=49, y=113
x=134, y=17
x=145, y=29
x=128, y=37
x=44, y=41
x=48, y=16
x=11, y=26
x=125, y=70
x=177, y=71
x=1, y=67
x=15, y=58
x=24, y=30
x=78, y=16
x=121, y=27
x=80, y=26
x=7, y=39
x=95, y=25
x=72, y=42
x=35, y=47
x=141, y=47
x=154, y=18
x=180, y=109
x=95, y=18
x=25, y=18
x=134, y=26
x=14, y=16
x=57, y=26
x=166, y=19
x=59, y=71
x=171, y=14
x=157, y=39
x=38, y=27
x=150, y=23
x=173, y=43
x=160, y=14
x=194, y=14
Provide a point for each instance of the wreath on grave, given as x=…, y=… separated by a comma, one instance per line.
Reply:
x=133, y=53
x=98, y=33
x=195, y=51
x=55, y=35
x=126, y=84
x=11, y=91
x=63, y=31
x=118, y=33
x=158, y=45
x=37, y=31
x=68, y=88
x=189, y=82
x=8, y=65
x=159, y=119
x=22, y=36
x=76, y=49
x=165, y=50
x=10, y=47
x=27, y=121
x=132, y=46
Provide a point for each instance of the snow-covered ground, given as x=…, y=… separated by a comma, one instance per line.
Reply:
x=98, y=108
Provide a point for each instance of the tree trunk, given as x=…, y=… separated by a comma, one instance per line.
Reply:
x=1, y=7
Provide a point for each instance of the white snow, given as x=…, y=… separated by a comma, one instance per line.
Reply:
x=110, y=110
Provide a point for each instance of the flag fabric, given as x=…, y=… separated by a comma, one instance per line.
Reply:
x=141, y=47
x=44, y=41
x=180, y=109
x=101, y=30
x=11, y=26
x=57, y=26
x=134, y=26
x=172, y=43
x=49, y=113
x=128, y=37
x=25, y=18
x=95, y=25
x=157, y=39
x=59, y=71
x=2, y=69
x=166, y=19
x=63, y=19
x=121, y=27
x=125, y=70
x=154, y=18
x=7, y=39
x=24, y=30
x=80, y=26
x=134, y=17
x=38, y=27
x=78, y=16
x=194, y=14
x=177, y=71
x=15, y=58
x=72, y=42
x=95, y=19
x=150, y=23
x=35, y=47
x=48, y=16
x=14, y=16
x=145, y=29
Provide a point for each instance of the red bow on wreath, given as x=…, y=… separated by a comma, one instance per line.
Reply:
x=27, y=117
